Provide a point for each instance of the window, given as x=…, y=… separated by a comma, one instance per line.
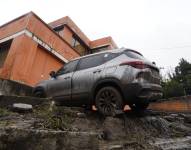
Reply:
x=59, y=29
x=99, y=49
x=67, y=68
x=4, y=49
x=78, y=45
x=110, y=56
x=91, y=61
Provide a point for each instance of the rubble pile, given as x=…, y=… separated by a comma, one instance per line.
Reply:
x=54, y=128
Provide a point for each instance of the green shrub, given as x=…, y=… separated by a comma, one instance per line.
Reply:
x=172, y=88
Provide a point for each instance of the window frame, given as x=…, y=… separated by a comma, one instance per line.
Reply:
x=80, y=61
x=76, y=42
x=114, y=55
x=59, y=29
x=4, y=51
x=74, y=69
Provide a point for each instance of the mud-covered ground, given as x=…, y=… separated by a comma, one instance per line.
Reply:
x=60, y=128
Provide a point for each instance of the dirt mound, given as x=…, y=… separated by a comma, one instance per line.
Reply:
x=55, y=128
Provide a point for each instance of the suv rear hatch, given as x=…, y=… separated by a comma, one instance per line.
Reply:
x=139, y=62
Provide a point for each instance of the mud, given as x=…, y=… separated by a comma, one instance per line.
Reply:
x=62, y=128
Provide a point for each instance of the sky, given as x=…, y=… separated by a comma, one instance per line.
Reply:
x=159, y=29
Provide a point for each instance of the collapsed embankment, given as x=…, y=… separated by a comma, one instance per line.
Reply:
x=54, y=128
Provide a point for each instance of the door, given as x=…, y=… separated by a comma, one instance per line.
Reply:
x=60, y=87
x=88, y=71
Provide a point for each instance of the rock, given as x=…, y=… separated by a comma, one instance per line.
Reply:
x=21, y=107
x=1, y=93
x=81, y=115
x=116, y=147
x=187, y=120
x=169, y=118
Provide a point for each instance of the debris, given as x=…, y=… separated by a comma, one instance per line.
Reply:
x=21, y=107
x=81, y=115
x=116, y=147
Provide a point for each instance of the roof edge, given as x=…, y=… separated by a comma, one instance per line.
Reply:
x=33, y=14
x=69, y=22
x=17, y=19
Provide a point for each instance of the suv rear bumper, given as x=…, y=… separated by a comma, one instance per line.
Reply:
x=146, y=91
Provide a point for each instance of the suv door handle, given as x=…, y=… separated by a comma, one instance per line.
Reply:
x=67, y=77
x=97, y=71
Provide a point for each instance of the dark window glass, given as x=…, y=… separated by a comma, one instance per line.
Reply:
x=4, y=49
x=133, y=54
x=110, y=56
x=67, y=68
x=79, y=46
x=91, y=61
x=59, y=29
x=99, y=49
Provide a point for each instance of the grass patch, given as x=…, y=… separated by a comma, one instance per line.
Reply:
x=4, y=112
x=53, y=117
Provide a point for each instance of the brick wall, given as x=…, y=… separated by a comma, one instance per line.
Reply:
x=177, y=104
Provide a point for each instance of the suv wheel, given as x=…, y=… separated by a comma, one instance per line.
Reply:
x=108, y=101
x=39, y=93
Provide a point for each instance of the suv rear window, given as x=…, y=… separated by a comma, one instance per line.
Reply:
x=133, y=54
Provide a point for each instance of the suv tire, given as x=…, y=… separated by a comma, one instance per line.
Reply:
x=39, y=93
x=108, y=101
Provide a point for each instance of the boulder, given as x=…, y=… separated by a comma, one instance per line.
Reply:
x=21, y=107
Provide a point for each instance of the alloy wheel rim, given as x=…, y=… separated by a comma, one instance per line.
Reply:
x=108, y=102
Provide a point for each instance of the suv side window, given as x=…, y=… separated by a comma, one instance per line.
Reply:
x=67, y=68
x=110, y=56
x=91, y=61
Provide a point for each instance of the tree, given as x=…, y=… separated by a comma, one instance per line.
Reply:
x=183, y=75
x=179, y=82
x=172, y=88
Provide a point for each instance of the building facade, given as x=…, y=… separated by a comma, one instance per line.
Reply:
x=31, y=48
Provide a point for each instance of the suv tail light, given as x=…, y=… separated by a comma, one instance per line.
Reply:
x=135, y=64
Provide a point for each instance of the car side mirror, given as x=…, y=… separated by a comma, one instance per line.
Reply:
x=52, y=74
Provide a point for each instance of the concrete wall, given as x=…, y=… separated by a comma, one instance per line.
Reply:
x=8, y=87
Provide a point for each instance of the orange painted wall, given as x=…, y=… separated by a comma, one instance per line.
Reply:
x=177, y=105
x=28, y=63
x=13, y=27
x=51, y=38
x=73, y=27
x=42, y=65
x=103, y=41
x=67, y=35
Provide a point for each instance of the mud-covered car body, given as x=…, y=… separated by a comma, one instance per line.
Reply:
x=78, y=82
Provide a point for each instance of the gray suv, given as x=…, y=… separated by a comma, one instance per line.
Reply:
x=108, y=79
